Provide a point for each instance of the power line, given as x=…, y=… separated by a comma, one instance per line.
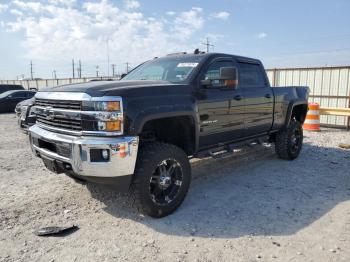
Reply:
x=208, y=44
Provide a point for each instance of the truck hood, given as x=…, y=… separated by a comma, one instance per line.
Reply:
x=101, y=88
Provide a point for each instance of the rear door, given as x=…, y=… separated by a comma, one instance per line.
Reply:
x=258, y=98
x=220, y=109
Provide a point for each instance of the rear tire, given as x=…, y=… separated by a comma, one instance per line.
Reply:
x=289, y=141
x=161, y=180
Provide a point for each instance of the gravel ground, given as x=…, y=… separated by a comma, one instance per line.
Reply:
x=250, y=207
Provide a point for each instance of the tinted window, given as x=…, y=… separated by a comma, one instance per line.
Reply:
x=251, y=75
x=5, y=94
x=213, y=72
x=30, y=94
x=19, y=95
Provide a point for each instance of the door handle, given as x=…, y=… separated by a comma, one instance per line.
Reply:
x=268, y=96
x=237, y=97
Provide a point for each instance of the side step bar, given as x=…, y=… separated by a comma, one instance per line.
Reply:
x=227, y=150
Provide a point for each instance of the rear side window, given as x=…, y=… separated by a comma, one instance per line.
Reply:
x=251, y=75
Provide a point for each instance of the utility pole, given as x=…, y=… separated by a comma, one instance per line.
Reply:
x=97, y=71
x=79, y=68
x=127, y=67
x=54, y=74
x=113, y=68
x=107, y=57
x=208, y=44
x=73, y=68
x=31, y=69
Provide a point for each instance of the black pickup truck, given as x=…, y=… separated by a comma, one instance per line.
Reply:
x=140, y=132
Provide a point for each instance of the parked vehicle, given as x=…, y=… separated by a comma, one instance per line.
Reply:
x=4, y=88
x=9, y=99
x=141, y=131
x=25, y=115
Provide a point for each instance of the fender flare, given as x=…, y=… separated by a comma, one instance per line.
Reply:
x=291, y=106
x=157, y=113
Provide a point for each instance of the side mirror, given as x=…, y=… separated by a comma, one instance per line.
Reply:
x=229, y=76
x=206, y=82
x=122, y=76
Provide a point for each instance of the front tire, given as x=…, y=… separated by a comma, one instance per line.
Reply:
x=161, y=180
x=289, y=141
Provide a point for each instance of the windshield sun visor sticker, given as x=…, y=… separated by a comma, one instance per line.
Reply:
x=187, y=65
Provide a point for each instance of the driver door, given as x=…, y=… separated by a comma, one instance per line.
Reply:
x=221, y=110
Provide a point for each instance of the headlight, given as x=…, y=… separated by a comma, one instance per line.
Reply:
x=104, y=116
x=109, y=125
x=107, y=106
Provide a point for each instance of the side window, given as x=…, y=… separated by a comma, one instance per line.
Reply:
x=251, y=75
x=213, y=72
x=19, y=95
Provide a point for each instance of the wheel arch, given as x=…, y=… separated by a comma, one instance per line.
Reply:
x=297, y=109
x=177, y=128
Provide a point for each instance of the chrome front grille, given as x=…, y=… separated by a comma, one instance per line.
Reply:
x=75, y=114
x=63, y=123
x=66, y=104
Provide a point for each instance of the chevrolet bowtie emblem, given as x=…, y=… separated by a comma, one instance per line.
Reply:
x=49, y=113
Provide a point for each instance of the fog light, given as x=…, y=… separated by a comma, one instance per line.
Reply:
x=101, y=125
x=105, y=154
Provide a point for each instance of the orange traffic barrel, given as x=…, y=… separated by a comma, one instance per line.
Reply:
x=312, y=121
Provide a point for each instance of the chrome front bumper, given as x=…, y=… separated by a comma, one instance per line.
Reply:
x=122, y=152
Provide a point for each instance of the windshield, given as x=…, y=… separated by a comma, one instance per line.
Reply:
x=5, y=94
x=172, y=69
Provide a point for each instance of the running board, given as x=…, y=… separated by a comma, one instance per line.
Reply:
x=229, y=149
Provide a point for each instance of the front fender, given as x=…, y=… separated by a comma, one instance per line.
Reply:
x=160, y=112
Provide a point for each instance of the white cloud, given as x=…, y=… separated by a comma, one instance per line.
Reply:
x=54, y=31
x=262, y=35
x=131, y=4
x=170, y=13
x=3, y=7
x=220, y=15
x=16, y=12
x=189, y=21
x=29, y=6
x=63, y=2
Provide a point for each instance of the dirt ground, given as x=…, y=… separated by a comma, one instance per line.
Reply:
x=249, y=207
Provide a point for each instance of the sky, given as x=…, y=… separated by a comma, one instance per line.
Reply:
x=50, y=33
